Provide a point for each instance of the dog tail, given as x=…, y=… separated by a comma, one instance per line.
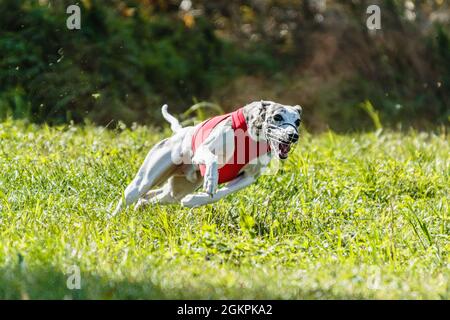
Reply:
x=174, y=123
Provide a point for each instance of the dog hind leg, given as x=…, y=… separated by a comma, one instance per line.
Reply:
x=157, y=165
x=175, y=189
x=147, y=197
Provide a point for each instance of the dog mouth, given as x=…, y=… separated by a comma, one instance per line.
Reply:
x=280, y=143
x=280, y=148
x=283, y=150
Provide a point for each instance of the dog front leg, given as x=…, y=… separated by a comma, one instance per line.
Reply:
x=211, y=179
x=219, y=145
x=200, y=199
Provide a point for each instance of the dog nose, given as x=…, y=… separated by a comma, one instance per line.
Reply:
x=293, y=137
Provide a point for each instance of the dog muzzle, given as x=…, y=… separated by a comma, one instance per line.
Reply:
x=281, y=140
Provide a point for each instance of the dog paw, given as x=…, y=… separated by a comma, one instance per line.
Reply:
x=141, y=203
x=190, y=201
x=196, y=200
x=211, y=180
x=210, y=186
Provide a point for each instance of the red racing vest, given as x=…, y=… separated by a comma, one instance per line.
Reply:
x=246, y=149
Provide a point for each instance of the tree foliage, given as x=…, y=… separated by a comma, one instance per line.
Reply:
x=131, y=56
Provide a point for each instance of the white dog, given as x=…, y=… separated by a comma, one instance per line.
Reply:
x=234, y=148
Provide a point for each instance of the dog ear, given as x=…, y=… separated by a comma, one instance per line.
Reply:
x=264, y=104
x=262, y=112
x=299, y=110
x=258, y=116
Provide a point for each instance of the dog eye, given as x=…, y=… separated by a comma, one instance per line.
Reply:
x=297, y=123
x=277, y=117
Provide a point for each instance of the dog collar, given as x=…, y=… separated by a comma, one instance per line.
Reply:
x=239, y=120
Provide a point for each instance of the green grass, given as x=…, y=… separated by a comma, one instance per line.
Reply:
x=350, y=216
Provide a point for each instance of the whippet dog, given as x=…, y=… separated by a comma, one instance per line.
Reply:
x=234, y=149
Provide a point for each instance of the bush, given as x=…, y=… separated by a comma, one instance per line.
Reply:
x=132, y=56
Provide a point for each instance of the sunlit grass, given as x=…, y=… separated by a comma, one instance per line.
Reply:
x=349, y=216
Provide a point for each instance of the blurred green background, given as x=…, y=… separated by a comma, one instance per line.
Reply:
x=132, y=56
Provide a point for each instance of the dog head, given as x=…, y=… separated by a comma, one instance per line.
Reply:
x=276, y=123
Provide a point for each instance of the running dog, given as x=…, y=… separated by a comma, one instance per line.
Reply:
x=233, y=148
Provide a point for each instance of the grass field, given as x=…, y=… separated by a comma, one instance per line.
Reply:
x=349, y=216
